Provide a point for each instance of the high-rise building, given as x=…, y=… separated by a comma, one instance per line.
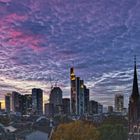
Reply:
x=86, y=99
x=15, y=98
x=66, y=106
x=79, y=95
x=119, y=103
x=26, y=104
x=49, y=110
x=8, y=102
x=28, y=98
x=73, y=92
x=100, y=108
x=56, y=99
x=37, y=101
x=93, y=107
x=134, y=109
x=110, y=109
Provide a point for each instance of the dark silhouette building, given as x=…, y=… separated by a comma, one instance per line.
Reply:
x=66, y=106
x=37, y=101
x=100, y=108
x=26, y=104
x=119, y=102
x=110, y=109
x=79, y=95
x=86, y=99
x=49, y=110
x=8, y=102
x=73, y=91
x=93, y=107
x=56, y=99
x=15, y=98
x=134, y=109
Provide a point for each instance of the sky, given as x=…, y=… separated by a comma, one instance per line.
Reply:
x=41, y=39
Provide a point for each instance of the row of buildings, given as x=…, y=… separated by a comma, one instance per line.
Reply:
x=80, y=98
x=78, y=104
x=32, y=104
x=59, y=106
x=25, y=104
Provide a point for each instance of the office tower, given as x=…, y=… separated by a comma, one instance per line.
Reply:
x=28, y=98
x=134, y=109
x=16, y=101
x=119, y=103
x=80, y=96
x=56, y=99
x=8, y=102
x=66, y=106
x=49, y=110
x=110, y=109
x=37, y=101
x=26, y=104
x=100, y=108
x=23, y=105
x=73, y=92
x=86, y=99
x=93, y=107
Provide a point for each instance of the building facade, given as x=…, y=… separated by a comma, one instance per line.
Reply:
x=49, y=110
x=66, y=106
x=16, y=103
x=37, y=101
x=56, y=99
x=26, y=104
x=8, y=102
x=73, y=92
x=79, y=95
x=119, y=102
x=86, y=99
x=93, y=107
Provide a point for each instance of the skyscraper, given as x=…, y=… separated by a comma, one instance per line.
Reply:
x=26, y=104
x=8, y=102
x=110, y=109
x=119, y=103
x=86, y=99
x=56, y=99
x=79, y=95
x=66, y=106
x=93, y=107
x=100, y=108
x=73, y=91
x=134, y=109
x=37, y=101
x=49, y=110
x=16, y=101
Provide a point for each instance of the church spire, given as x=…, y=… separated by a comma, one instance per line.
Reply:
x=135, y=90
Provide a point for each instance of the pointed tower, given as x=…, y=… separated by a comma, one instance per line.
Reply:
x=73, y=91
x=134, y=108
x=135, y=90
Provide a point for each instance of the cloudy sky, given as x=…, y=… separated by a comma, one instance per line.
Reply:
x=41, y=39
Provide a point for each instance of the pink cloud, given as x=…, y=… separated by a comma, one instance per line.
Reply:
x=5, y=0
x=15, y=17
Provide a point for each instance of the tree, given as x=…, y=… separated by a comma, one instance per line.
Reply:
x=76, y=130
x=112, y=132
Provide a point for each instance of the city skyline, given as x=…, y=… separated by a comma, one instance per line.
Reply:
x=41, y=40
